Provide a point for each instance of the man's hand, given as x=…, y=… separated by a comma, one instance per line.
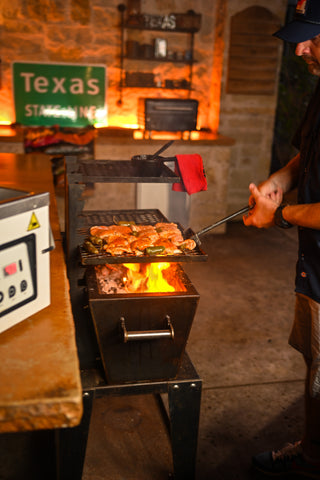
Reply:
x=264, y=201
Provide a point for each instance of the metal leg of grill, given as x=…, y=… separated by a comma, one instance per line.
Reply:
x=184, y=397
x=71, y=444
x=184, y=407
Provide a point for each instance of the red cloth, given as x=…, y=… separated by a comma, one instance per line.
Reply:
x=191, y=171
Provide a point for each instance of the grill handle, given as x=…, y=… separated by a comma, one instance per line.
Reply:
x=146, y=334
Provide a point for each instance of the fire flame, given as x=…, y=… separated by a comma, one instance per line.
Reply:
x=151, y=277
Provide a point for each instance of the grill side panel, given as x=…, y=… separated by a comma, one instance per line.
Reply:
x=144, y=360
x=141, y=360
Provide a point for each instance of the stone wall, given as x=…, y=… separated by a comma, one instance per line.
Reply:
x=87, y=31
x=249, y=119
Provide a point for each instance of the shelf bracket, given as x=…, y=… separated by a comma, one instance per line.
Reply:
x=121, y=8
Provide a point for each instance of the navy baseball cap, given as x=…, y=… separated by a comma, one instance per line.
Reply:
x=305, y=25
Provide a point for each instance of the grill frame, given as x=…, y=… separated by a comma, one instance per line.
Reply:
x=184, y=391
x=77, y=221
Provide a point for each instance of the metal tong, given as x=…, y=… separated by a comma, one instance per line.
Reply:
x=188, y=233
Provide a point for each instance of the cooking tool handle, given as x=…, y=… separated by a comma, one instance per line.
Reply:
x=223, y=220
x=146, y=334
x=162, y=149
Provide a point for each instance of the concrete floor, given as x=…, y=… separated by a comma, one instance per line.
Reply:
x=253, y=381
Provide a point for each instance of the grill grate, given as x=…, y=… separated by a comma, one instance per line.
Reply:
x=112, y=216
x=146, y=217
x=121, y=171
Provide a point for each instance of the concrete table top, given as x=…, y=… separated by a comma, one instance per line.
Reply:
x=40, y=385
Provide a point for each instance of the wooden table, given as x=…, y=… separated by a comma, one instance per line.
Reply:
x=40, y=386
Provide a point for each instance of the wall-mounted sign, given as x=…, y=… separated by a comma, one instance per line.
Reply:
x=181, y=22
x=59, y=94
x=166, y=22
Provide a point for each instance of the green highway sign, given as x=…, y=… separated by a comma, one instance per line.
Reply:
x=68, y=95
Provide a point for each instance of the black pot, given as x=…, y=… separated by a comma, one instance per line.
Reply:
x=149, y=164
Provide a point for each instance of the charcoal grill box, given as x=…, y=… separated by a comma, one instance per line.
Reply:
x=168, y=114
x=141, y=360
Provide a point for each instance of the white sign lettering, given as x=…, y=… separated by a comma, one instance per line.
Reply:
x=75, y=86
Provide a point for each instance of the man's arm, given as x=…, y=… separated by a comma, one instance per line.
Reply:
x=306, y=215
x=284, y=179
x=268, y=196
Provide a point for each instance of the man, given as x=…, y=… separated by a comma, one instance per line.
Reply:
x=303, y=457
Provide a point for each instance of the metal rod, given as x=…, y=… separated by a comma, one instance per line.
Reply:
x=223, y=220
x=121, y=8
x=146, y=334
x=191, y=64
x=164, y=147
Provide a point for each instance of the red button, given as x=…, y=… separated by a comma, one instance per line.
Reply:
x=10, y=269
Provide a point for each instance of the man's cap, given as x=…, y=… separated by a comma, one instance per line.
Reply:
x=305, y=25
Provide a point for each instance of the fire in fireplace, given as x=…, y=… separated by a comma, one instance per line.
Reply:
x=141, y=336
x=159, y=277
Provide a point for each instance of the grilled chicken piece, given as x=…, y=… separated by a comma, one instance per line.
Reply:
x=169, y=247
x=152, y=236
x=188, y=244
x=118, y=246
x=167, y=226
x=174, y=236
x=106, y=230
x=142, y=228
x=96, y=231
x=139, y=245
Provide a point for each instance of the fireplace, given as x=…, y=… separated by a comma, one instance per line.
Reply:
x=142, y=334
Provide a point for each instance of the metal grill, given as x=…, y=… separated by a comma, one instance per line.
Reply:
x=142, y=337
x=120, y=171
x=109, y=217
x=142, y=217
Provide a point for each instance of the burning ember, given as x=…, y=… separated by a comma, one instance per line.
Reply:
x=159, y=277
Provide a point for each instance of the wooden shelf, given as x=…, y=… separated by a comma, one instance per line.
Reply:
x=159, y=29
x=161, y=60
x=157, y=88
x=188, y=24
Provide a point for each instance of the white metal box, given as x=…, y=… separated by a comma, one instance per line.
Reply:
x=25, y=245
